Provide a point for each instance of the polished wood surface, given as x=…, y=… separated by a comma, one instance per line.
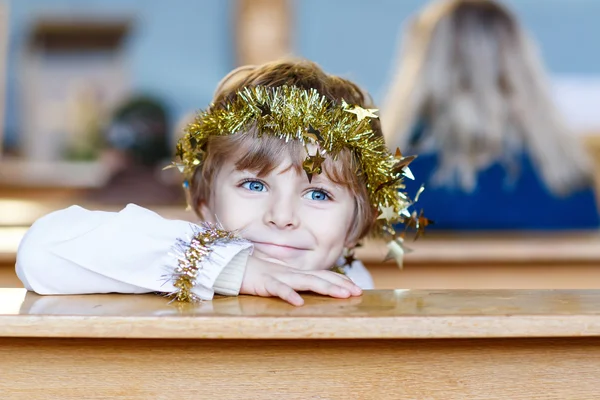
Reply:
x=23, y=212
x=491, y=369
x=408, y=314
x=482, y=275
x=479, y=345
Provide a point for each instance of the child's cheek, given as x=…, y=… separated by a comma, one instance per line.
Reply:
x=245, y=211
x=231, y=209
x=331, y=226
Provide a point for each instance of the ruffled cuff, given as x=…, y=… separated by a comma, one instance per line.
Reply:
x=211, y=259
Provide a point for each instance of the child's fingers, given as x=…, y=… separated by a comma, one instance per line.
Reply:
x=340, y=280
x=279, y=289
x=313, y=283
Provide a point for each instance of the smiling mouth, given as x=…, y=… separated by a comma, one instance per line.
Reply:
x=283, y=246
x=278, y=251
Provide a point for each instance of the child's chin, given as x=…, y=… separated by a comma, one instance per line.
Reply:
x=272, y=260
x=297, y=263
x=283, y=255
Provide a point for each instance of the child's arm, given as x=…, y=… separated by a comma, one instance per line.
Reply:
x=77, y=251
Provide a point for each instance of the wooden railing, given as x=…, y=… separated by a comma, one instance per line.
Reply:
x=385, y=344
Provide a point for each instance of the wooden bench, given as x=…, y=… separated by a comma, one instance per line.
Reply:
x=415, y=344
x=9, y=242
x=491, y=261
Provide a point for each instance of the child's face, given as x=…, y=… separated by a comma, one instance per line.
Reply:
x=289, y=220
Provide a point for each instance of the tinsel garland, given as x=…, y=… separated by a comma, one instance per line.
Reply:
x=191, y=253
x=291, y=113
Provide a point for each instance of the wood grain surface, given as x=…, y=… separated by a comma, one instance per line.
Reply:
x=379, y=314
x=487, y=275
x=499, y=369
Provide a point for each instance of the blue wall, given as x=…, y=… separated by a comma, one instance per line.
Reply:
x=567, y=31
x=359, y=39
x=180, y=49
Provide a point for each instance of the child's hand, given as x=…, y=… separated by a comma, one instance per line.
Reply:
x=267, y=279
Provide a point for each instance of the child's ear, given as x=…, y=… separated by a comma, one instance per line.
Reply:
x=205, y=212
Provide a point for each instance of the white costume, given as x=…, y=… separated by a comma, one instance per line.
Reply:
x=77, y=251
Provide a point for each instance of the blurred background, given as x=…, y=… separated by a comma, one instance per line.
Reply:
x=94, y=93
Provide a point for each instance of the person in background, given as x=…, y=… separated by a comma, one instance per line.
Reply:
x=470, y=97
x=137, y=148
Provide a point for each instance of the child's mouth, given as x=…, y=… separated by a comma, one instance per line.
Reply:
x=278, y=250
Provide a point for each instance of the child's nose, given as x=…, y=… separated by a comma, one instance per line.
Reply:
x=282, y=214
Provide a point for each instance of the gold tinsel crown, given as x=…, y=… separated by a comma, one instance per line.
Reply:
x=292, y=113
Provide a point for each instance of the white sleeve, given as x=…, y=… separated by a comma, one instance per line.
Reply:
x=77, y=251
x=360, y=275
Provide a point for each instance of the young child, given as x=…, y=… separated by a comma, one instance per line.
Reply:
x=288, y=170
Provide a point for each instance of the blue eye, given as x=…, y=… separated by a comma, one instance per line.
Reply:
x=254, y=186
x=318, y=195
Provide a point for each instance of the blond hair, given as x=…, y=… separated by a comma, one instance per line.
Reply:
x=263, y=153
x=473, y=76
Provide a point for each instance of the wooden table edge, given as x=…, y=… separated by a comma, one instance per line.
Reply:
x=325, y=327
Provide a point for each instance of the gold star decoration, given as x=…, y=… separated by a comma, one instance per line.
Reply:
x=389, y=183
x=399, y=169
x=419, y=222
x=313, y=134
x=312, y=165
x=387, y=212
x=402, y=164
x=405, y=212
x=408, y=173
x=349, y=257
x=396, y=251
x=361, y=113
x=179, y=166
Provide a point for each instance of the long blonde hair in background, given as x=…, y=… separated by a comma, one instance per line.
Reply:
x=472, y=74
